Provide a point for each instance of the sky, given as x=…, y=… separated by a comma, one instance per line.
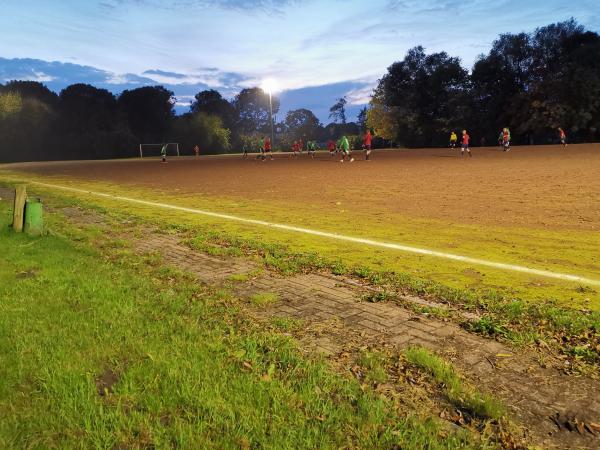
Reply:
x=316, y=51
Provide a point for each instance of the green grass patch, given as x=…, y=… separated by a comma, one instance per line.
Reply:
x=374, y=364
x=264, y=298
x=465, y=397
x=102, y=350
x=287, y=324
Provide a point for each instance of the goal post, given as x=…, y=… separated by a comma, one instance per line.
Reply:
x=154, y=149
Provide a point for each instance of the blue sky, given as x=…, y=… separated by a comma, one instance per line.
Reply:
x=316, y=50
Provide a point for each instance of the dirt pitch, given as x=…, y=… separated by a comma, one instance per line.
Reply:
x=541, y=187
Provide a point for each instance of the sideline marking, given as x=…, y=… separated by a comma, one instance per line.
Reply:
x=339, y=237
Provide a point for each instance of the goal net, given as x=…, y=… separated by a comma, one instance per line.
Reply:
x=150, y=150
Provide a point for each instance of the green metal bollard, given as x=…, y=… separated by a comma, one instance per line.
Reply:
x=34, y=219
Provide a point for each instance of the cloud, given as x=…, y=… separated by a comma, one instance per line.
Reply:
x=163, y=73
x=362, y=95
x=239, y=5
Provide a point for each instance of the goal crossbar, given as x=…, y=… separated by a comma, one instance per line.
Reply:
x=168, y=144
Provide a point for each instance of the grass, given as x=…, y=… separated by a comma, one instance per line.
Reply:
x=457, y=392
x=567, y=328
x=103, y=349
x=287, y=324
x=243, y=277
x=375, y=365
x=574, y=251
x=264, y=298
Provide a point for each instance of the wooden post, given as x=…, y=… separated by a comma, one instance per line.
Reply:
x=19, y=209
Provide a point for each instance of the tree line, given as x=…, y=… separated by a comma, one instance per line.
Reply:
x=85, y=122
x=530, y=82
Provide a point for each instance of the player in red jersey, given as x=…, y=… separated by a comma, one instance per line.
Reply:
x=267, y=148
x=331, y=147
x=563, y=136
x=367, y=145
x=465, y=144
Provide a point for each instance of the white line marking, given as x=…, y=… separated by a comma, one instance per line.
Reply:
x=340, y=237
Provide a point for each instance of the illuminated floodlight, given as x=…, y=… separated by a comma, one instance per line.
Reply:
x=269, y=86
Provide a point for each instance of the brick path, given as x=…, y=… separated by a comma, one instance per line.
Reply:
x=532, y=393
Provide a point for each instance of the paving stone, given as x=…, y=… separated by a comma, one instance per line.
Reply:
x=419, y=334
x=374, y=326
x=401, y=339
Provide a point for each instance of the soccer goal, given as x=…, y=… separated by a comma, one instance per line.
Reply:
x=150, y=150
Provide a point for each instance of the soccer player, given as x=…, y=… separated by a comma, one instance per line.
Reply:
x=163, y=153
x=261, y=149
x=300, y=145
x=245, y=150
x=331, y=147
x=506, y=139
x=453, y=139
x=197, y=150
x=345, y=148
x=563, y=137
x=367, y=144
x=311, y=146
x=465, y=144
x=295, y=149
x=267, y=149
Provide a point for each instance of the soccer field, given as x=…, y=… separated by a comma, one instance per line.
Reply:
x=535, y=207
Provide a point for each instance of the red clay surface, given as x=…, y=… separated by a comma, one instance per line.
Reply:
x=542, y=186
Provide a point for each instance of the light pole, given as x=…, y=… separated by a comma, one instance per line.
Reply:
x=269, y=86
x=271, y=110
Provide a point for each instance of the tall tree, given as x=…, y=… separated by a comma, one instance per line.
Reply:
x=212, y=102
x=85, y=108
x=149, y=111
x=338, y=111
x=382, y=118
x=425, y=93
x=253, y=112
x=201, y=129
x=302, y=123
x=500, y=82
x=32, y=90
x=27, y=123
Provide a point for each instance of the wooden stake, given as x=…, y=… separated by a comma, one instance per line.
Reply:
x=19, y=209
